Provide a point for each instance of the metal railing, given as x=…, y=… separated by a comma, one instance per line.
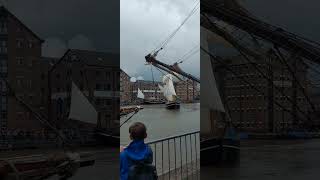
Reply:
x=177, y=157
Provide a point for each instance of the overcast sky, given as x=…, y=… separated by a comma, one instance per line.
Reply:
x=94, y=25
x=146, y=23
x=81, y=24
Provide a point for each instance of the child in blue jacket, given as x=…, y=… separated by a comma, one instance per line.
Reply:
x=137, y=150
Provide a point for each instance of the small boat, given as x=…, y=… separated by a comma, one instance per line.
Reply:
x=44, y=166
x=151, y=100
x=125, y=110
x=169, y=92
x=140, y=94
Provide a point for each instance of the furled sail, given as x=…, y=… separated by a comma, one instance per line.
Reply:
x=212, y=102
x=81, y=109
x=168, y=88
x=140, y=94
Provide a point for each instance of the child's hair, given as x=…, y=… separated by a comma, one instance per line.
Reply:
x=138, y=131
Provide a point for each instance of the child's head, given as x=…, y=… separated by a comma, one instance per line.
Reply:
x=138, y=131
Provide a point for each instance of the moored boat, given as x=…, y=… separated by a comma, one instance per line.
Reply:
x=129, y=109
x=43, y=166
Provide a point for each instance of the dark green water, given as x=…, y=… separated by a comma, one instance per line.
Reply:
x=274, y=160
x=162, y=122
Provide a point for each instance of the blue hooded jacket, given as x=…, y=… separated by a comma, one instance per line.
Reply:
x=136, y=151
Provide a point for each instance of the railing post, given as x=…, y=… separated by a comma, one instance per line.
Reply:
x=196, y=149
x=180, y=159
x=162, y=157
x=184, y=173
x=155, y=154
x=175, y=158
x=169, y=157
x=191, y=156
x=185, y=143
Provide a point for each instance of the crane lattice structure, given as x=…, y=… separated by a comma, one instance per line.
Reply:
x=228, y=19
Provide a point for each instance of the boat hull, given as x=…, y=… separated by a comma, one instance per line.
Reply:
x=40, y=167
x=173, y=105
x=108, y=139
x=219, y=151
x=153, y=102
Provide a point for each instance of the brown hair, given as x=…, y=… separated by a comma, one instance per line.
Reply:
x=138, y=131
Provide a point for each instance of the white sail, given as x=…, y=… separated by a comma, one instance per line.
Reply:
x=212, y=100
x=81, y=109
x=160, y=87
x=140, y=94
x=168, y=89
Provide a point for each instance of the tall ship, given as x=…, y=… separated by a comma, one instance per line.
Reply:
x=169, y=92
x=220, y=142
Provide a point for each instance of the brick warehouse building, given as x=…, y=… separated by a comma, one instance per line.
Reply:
x=26, y=71
x=252, y=111
x=125, y=88
x=20, y=51
x=96, y=74
x=187, y=90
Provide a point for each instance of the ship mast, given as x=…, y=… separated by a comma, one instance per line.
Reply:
x=151, y=59
x=241, y=19
x=172, y=69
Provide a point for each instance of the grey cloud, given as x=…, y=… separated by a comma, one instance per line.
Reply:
x=145, y=23
x=97, y=20
x=80, y=42
x=53, y=47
